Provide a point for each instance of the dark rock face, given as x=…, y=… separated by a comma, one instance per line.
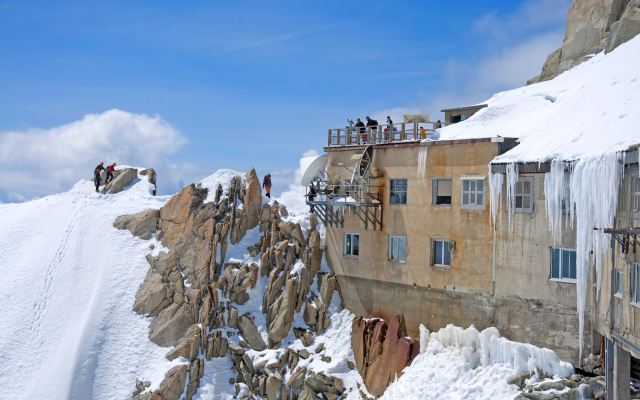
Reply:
x=592, y=26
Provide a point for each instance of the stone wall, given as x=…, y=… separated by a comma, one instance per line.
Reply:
x=592, y=26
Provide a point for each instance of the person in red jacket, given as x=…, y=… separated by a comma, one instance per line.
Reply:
x=110, y=170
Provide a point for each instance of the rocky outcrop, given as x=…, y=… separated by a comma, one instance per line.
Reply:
x=592, y=26
x=121, y=180
x=195, y=295
x=142, y=224
x=151, y=176
x=381, y=351
x=576, y=387
x=171, y=387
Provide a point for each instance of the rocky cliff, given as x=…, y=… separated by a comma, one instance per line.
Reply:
x=592, y=26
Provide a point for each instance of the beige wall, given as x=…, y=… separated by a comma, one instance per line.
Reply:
x=525, y=305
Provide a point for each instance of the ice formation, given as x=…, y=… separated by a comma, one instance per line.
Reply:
x=422, y=161
x=466, y=363
x=589, y=189
x=495, y=193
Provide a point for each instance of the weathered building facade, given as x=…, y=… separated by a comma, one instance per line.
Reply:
x=437, y=258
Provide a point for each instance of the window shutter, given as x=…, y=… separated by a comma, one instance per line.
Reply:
x=434, y=191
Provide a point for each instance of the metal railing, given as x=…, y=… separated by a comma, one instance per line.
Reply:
x=386, y=133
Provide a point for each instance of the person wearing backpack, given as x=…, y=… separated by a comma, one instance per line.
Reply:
x=110, y=170
x=372, y=123
x=96, y=174
x=266, y=184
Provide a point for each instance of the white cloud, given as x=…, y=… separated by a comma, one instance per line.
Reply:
x=517, y=47
x=294, y=198
x=37, y=162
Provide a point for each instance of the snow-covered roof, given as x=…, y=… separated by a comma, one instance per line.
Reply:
x=590, y=110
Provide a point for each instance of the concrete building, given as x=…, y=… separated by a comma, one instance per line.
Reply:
x=435, y=256
x=455, y=115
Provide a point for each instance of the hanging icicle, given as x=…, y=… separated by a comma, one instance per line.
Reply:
x=422, y=162
x=512, y=178
x=495, y=193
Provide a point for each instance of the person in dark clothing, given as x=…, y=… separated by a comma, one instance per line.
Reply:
x=110, y=170
x=360, y=126
x=438, y=125
x=266, y=184
x=96, y=174
x=372, y=123
x=312, y=196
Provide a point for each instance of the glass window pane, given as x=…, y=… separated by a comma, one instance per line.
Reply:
x=472, y=200
x=347, y=244
x=402, y=249
x=465, y=198
x=572, y=265
x=527, y=187
x=447, y=254
x=391, y=248
x=555, y=263
x=356, y=245
x=526, y=202
x=565, y=263
x=465, y=186
x=618, y=281
x=519, y=187
x=479, y=199
x=480, y=186
x=518, y=201
x=403, y=200
x=438, y=249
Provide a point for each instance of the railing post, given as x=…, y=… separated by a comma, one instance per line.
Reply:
x=403, y=132
x=348, y=136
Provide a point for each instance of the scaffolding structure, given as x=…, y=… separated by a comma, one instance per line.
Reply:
x=359, y=195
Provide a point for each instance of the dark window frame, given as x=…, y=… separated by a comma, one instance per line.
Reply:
x=440, y=201
x=348, y=242
x=397, y=187
x=559, y=272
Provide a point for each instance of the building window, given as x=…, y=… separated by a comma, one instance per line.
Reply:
x=635, y=282
x=441, y=189
x=635, y=193
x=351, y=244
x=397, y=248
x=441, y=252
x=563, y=264
x=473, y=194
x=458, y=118
x=524, y=195
x=398, y=191
x=619, y=281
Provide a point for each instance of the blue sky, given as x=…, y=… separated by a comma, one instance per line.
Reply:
x=247, y=83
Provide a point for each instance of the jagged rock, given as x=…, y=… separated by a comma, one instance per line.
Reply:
x=233, y=317
x=272, y=388
x=314, y=239
x=351, y=365
x=188, y=346
x=153, y=296
x=519, y=380
x=304, y=353
x=235, y=349
x=327, y=283
x=590, y=363
x=292, y=231
x=592, y=26
x=165, y=263
x=251, y=334
x=319, y=348
x=253, y=200
x=121, y=178
x=282, y=311
x=195, y=374
x=283, y=211
x=310, y=314
x=171, y=324
x=140, y=224
x=318, y=382
x=172, y=386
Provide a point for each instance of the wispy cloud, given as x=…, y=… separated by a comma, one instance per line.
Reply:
x=276, y=39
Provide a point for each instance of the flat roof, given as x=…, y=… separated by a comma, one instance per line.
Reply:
x=465, y=108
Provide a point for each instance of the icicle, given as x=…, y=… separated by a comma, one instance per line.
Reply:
x=556, y=189
x=495, y=193
x=594, y=186
x=422, y=161
x=512, y=178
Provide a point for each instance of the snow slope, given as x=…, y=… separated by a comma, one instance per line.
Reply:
x=69, y=279
x=587, y=111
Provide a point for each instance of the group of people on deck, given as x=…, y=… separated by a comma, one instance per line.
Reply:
x=373, y=124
